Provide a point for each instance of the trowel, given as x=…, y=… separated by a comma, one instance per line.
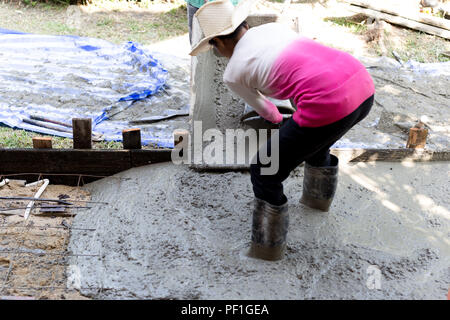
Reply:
x=251, y=118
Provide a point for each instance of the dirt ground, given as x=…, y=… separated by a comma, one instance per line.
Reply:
x=33, y=252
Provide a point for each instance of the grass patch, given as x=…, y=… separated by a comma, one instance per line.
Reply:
x=105, y=22
x=116, y=21
x=413, y=45
x=59, y=28
x=17, y=138
x=355, y=26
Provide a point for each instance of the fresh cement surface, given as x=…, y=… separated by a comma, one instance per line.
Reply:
x=169, y=232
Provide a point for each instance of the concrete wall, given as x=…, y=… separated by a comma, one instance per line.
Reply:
x=211, y=101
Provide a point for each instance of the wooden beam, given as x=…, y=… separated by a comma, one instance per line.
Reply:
x=64, y=161
x=408, y=14
x=82, y=133
x=402, y=22
x=146, y=157
x=54, y=164
x=64, y=166
x=391, y=155
x=42, y=142
x=131, y=138
x=45, y=125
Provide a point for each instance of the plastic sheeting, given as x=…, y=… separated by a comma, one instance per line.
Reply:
x=64, y=77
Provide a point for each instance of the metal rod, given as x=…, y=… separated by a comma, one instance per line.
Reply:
x=53, y=200
x=44, y=207
x=43, y=125
x=35, y=117
x=48, y=227
x=36, y=196
x=31, y=198
x=49, y=253
x=5, y=281
x=49, y=287
x=62, y=174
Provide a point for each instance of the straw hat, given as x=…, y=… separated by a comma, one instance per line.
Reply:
x=219, y=18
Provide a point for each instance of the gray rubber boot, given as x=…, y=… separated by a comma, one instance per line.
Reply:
x=319, y=185
x=269, y=230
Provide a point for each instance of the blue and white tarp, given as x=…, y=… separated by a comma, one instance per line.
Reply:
x=65, y=77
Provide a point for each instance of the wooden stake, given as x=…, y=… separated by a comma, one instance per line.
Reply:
x=417, y=137
x=131, y=138
x=82, y=133
x=42, y=142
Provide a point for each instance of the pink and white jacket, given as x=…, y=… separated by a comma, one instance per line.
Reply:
x=326, y=84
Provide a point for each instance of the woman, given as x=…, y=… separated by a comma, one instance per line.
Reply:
x=332, y=92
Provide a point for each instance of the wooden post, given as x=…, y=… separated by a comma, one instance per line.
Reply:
x=42, y=142
x=417, y=137
x=131, y=138
x=82, y=133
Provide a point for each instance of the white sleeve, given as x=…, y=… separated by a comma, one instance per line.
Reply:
x=257, y=101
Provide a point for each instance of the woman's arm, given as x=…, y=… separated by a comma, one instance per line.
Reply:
x=257, y=101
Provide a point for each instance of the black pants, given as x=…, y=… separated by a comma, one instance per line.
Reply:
x=298, y=144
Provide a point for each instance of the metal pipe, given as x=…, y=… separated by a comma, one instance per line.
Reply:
x=43, y=125
x=48, y=227
x=4, y=182
x=42, y=207
x=49, y=253
x=36, y=196
x=39, y=118
x=54, y=200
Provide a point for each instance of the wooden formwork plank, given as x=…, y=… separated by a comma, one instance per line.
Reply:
x=65, y=166
x=355, y=155
x=80, y=161
x=145, y=157
x=63, y=161
x=390, y=155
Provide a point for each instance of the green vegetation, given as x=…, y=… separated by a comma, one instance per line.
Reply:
x=408, y=44
x=354, y=26
x=58, y=28
x=105, y=22
x=112, y=20
x=17, y=138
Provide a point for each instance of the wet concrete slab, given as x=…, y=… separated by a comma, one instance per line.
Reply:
x=170, y=232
